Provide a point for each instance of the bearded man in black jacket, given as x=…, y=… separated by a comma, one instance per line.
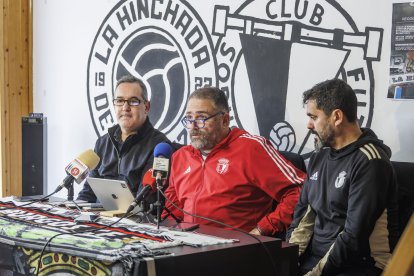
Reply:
x=345, y=222
x=126, y=151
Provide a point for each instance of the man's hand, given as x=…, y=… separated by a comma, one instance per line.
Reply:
x=256, y=231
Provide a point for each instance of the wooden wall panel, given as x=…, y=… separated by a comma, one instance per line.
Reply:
x=15, y=89
x=2, y=103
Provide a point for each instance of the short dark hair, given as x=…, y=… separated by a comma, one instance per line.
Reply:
x=132, y=79
x=213, y=94
x=333, y=94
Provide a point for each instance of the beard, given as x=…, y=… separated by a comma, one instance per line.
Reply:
x=317, y=143
x=323, y=139
x=198, y=143
x=201, y=142
x=204, y=141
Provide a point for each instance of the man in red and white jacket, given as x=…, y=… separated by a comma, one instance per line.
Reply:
x=229, y=175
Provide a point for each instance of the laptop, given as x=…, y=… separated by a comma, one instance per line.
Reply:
x=114, y=195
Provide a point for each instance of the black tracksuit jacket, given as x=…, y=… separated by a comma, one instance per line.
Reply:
x=127, y=161
x=347, y=212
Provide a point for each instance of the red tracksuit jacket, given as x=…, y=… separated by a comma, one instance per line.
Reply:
x=235, y=184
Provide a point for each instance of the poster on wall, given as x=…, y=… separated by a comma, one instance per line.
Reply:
x=402, y=52
x=178, y=46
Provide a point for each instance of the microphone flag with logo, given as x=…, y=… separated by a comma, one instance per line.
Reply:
x=78, y=169
x=162, y=154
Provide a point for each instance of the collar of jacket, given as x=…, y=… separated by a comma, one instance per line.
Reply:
x=368, y=136
x=147, y=126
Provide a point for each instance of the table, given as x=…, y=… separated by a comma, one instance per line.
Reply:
x=245, y=257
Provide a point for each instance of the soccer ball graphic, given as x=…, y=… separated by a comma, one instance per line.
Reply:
x=153, y=56
x=283, y=136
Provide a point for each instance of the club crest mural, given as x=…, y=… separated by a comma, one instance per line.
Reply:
x=262, y=54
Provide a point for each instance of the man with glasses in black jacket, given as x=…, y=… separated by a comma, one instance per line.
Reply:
x=126, y=151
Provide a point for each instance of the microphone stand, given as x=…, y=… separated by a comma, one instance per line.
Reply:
x=169, y=213
x=70, y=191
x=158, y=203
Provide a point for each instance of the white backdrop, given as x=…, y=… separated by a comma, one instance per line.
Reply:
x=66, y=32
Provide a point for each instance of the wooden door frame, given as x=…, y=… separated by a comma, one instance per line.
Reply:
x=16, y=96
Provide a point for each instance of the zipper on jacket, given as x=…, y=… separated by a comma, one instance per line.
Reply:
x=203, y=161
x=119, y=156
x=119, y=165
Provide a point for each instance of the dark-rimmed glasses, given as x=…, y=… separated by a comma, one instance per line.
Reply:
x=200, y=122
x=131, y=102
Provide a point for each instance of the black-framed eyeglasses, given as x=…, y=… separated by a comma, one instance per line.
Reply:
x=200, y=122
x=131, y=102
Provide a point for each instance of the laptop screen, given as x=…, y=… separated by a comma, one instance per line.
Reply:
x=112, y=194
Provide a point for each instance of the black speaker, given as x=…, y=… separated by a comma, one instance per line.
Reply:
x=34, y=155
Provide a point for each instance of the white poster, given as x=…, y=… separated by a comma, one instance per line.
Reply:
x=263, y=54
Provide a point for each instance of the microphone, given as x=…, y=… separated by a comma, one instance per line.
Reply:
x=159, y=170
x=78, y=169
x=148, y=186
x=162, y=154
